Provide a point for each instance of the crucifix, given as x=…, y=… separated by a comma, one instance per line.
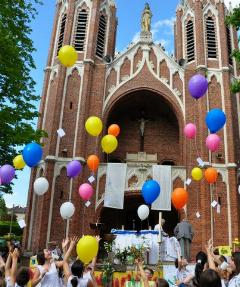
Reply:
x=142, y=122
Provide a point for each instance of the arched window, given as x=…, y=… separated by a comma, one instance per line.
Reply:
x=61, y=32
x=229, y=45
x=190, y=47
x=211, y=38
x=101, y=36
x=81, y=30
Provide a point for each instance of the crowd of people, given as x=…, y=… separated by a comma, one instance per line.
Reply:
x=211, y=270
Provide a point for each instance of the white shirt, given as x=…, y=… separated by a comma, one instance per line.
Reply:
x=9, y=283
x=51, y=278
x=235, y=281
x=81, y=282
x=183, y=274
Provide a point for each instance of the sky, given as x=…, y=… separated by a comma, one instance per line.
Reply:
x=129, y=15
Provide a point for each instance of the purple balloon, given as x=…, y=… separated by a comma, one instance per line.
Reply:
x=197, y=86
x=7, y=173
x=74, y=168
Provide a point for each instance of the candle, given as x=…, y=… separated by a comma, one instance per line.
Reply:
x=122, y=227
x=160, y=227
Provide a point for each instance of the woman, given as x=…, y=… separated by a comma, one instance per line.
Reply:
x=235, y=266
x=201, y=265
x=46, y=272
x=210, y=278
x=74, y=277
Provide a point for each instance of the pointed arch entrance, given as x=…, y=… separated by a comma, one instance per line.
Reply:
x=127, y=217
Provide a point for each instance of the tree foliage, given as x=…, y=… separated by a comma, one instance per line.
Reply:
x=3, y=208
x=234, y=19
x=17, y=94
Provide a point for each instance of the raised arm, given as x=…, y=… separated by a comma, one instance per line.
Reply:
x=143, y=275
x=66, y=268
x=209, y=249
x=15, y=256
x=7, y=266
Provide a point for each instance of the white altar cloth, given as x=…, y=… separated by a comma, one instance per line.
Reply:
x=149, y=239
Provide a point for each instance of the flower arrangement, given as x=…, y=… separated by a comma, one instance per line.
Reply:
x=107, y=270
x=130, y=254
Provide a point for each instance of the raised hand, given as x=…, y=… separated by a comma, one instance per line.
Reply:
x=74, y=240
x=15, y=253
x=98, y=238
x=65, y=243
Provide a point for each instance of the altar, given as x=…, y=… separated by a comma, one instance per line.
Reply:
x=165, y=251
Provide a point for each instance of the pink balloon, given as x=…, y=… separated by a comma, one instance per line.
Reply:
x=213, y=142
x=190, y=130
x=85, y=191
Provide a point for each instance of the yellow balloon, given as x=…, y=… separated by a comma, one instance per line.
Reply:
x=67, y=55
x=197, y=173
x=87, y=248
x=109, y=143
x=94, y=126
x=18, y=162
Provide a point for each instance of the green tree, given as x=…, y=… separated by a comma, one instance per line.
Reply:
x=17, y=92
x=3, y=208
x=234, y=19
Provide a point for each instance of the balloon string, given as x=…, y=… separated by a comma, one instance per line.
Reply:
x=195, y=138
x=84, y=210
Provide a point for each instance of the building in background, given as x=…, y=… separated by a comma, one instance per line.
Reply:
x=145, y=91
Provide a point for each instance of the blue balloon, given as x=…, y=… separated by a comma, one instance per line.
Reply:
x=150, y=191
x=215, y=120
x=32, y=154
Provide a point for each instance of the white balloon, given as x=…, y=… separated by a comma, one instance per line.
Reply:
x=67, y=210
x=143, y=211
x=40, y=185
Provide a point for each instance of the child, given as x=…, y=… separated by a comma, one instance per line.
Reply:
x=184, y=276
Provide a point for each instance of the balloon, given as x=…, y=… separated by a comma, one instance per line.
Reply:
x=109, y=143
x=40, y=185
x=67, y=55
x=197, y=173
x=211, y=175
x=114, y=130
x=32, y=154
x=190, y=130
x=18, y=162
x=87, y=248
x=85, y=191
x=7, y=173
x=197, y=86
x=93, y=162
x=73, y=168
x=179, y=197
x=150, y=191
x=143, y=211
x=67, y=210
x=94, y=126
x=213, y=142
x=215, y=120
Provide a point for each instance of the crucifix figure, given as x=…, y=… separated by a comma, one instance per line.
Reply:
x=142, y=122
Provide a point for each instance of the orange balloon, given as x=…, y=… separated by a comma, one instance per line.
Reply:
x=93, y=162
x=114, y=130
x=179, y=197
x=211, y=175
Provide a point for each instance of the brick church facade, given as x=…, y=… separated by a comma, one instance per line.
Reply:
x=143, y=81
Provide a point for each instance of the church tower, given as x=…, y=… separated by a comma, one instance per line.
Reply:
x=145, y=91
x=69, y=97
x=204, y=43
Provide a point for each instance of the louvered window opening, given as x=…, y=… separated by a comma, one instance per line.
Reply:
x=211, y=38
x=80, y=33
x=61, y=34
x=101, y=36
x=190, y=41
x=229, y=45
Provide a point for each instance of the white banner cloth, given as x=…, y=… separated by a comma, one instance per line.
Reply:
x=115, y=185
x=163, y=175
